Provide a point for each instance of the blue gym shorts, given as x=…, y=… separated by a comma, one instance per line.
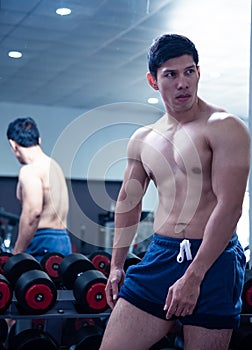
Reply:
x=48, y=240
x=219, y=305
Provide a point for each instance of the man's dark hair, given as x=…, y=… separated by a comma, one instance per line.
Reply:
x=169, y=46
x=24, y=132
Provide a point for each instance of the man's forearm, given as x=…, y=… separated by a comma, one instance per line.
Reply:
x=218, y=232
x=26, y=230
x=126, y=223
x=118, y=257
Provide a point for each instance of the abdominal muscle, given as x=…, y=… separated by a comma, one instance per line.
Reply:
x=184, y=218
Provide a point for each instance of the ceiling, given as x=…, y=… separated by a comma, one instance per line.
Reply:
x=97, y=55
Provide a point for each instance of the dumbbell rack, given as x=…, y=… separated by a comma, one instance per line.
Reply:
x=64, y=308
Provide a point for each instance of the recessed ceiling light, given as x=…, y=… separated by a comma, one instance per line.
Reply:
x=153, y=100
x=15, y=54
x=63, y=11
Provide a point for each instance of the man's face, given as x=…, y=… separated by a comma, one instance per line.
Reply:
x=177, y=81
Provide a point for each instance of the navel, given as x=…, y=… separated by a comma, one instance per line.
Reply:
x=196, y=170
x=180, y=227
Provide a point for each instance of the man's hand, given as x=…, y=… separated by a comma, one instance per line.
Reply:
x=182, y=297
x=115, y=281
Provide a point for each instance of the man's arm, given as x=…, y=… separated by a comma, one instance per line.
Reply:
x=31, y=190
x=127, y=215
x=229, y=140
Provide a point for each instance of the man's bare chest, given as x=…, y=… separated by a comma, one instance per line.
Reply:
x=182, y=152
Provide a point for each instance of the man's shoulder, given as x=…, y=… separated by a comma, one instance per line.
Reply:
x=28, y=171
x=141, y=133
x=226, y=127
x=25, y=169
x=224, y=118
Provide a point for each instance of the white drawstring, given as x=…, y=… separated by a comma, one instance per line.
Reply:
x=184, y=248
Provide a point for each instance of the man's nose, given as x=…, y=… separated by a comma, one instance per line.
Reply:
x=182, y=82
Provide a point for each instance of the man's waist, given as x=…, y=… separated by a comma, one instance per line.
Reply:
x=48, y=230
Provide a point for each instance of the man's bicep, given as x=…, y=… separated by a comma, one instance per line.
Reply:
x=135, y=182
x=230, y=163
x=31, y=191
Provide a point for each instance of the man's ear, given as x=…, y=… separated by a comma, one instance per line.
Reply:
x=198, y=69
x=39, y=140
x=13, y=144
x=152, y=81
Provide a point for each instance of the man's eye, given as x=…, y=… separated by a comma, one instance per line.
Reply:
x=189, y=71
x=171, y=74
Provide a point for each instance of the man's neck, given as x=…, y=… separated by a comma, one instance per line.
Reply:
x=185, y=116
x=33, y=154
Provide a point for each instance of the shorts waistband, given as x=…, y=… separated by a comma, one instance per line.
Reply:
x=195, y=243
x=46, y=231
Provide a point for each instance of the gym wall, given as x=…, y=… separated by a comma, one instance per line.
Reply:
x=83, y=221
